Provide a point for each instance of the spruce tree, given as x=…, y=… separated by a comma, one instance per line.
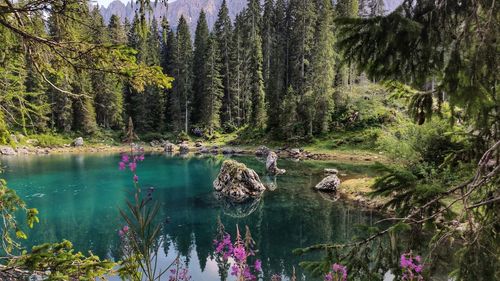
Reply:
x=169, y=61
x=238, y=79
x=322, y=75
x=200, y=50
x=268, y=38
x=155, y=97
x=107, y=87
x=276, y=89
x=347, y=9
x=254, y=52
x=224, y=35
x=213, y=90
x=184, y=76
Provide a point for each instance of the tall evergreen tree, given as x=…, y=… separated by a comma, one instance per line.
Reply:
x=155, y=97
x=224, y=35
x=347, y=9
x=169, y=62
x=184, y=73
x=107, y=87
x=322, y=75
x=302, y=14
x=253, y=20
x=213, y=90
x=199, y=59
x=268, y=38
x=276, y=87
x=241, y=101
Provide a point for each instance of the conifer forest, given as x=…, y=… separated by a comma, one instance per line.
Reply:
x=249, y=140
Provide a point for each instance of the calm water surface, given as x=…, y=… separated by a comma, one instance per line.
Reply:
x=79, y=196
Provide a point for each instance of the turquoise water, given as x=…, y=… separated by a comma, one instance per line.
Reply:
x=79, y=196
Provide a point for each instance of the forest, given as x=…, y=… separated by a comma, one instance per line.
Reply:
x=410, y=90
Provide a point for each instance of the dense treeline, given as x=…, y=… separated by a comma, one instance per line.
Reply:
x=274, y=67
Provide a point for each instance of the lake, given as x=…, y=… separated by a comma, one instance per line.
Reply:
x=79, y=197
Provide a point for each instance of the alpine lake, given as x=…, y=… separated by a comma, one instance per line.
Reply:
x=79, y=197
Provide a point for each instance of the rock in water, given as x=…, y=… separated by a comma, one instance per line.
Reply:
x=183, y=148
x=262, y=151
x=330, y=183
x=7, y=150
x=168, y=147
x=272, y=164
x=78, y=142
x=331, y=171
x=237, y=182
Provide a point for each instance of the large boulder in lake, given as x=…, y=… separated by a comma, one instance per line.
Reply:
x=7, y=150
x=330, y=183
x=272, y=164
x=78, y=142
x=237, y=182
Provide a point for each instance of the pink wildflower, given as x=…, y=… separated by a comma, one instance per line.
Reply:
x=125, y=158
x=132, y=166
x=136, y=179
x=122, y=166
x=240, y=253
x=258, y=265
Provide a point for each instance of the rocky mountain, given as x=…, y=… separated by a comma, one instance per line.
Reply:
x=191, y=9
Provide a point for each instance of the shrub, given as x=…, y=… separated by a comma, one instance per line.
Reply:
x=51, y=140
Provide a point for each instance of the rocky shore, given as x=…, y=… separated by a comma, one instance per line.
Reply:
x=185, y=148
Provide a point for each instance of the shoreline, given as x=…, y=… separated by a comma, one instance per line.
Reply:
x=353, y=190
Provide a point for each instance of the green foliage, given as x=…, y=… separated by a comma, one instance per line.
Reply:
x=62, y=263
x=11, y=203
x=431, y=142
x=50, y=140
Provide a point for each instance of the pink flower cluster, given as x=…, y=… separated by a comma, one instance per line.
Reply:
x=123, y=231
x=412, y=267
x=180, y=274
x=131, y=163
x=239, y=254
x=338, y=273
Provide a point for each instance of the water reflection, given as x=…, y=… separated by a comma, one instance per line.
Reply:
x=82, y=195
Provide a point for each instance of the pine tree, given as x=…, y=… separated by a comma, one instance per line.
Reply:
x=199, y=59
x=347, y=9
x=268, y=38
x=169, y=62
x=276, y=89
x=213, y=90
x=322, y=75
x=253, y=21
x=238, y=79
x=155, y=97
x=107, y=87
x=302, y=28
x=224, y=35
x=184, y=73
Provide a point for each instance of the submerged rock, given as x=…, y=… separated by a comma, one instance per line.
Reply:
x=238, y=209
x=272, y=164
x=237, y=182
x=7, y=150
x=330, y=183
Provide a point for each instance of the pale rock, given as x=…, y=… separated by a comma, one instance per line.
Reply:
x=237, y=182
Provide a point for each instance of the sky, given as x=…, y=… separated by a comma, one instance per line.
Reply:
x=105, y=3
